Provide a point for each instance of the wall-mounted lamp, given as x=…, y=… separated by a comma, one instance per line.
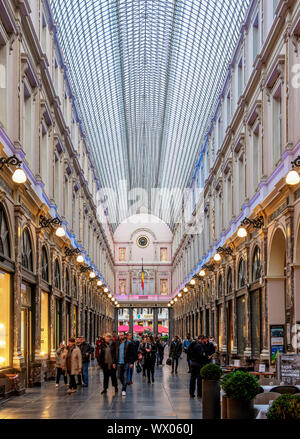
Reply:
x=202, y=273
x=92, y=275
x=72, y=251
x=217, y=257
x=193, y=282
x=19, y=175
x=226, y=250
x=293, y=177
x=209, y=267
x=80, y=259
x=99, y=283
x=185, y=290
x=84, y=269
x=257, y=223
x=45, y=223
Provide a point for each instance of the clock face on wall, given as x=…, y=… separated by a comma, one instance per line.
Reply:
x=143, y=241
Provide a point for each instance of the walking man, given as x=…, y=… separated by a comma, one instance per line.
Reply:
x=107, y=360
x=125, y=355
x=86, y=351
x=175, y=352
x=196, y=355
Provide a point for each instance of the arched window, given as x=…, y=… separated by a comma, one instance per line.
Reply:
x=4, y=234
x=256, y=264
x=27, y=251
x=74, y=287
x=241, y=274
x=57, y=275
x=229, y=281
x=220, y=286
x=45, y=269
x=67, y=286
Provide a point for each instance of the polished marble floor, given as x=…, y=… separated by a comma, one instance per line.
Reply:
x=167, y=398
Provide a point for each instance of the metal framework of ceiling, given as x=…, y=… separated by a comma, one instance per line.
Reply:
x=147, y=75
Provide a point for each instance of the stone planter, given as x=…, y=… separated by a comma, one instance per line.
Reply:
x=211, y=408
x=224, y=406
x=238, y=409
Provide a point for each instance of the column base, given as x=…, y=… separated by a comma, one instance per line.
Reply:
x=265, y=355
x=18, y=360
x=224, y=349
x=234, y=350
x=247, y=352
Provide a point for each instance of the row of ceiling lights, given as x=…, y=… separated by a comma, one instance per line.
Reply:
x=20, y=177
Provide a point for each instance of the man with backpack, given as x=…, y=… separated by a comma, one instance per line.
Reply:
x=196, y=355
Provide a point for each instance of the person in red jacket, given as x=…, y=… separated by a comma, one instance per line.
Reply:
x=99, y=343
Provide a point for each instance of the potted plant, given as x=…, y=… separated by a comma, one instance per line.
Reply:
x=211, y=374
x=286, y=407
x=241, y=389
x=224, y=397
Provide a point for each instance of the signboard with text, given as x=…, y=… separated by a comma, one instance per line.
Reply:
x=288, y=367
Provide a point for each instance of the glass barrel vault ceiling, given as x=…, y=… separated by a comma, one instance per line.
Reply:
x=147, y=75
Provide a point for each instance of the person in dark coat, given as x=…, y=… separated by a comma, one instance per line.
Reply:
x=86, y=351
x=209, y=349
x=149, y=350
x=125, y=357
x=196, y=355
x=175, y=352
x=141, y=351
x=99, y=342
x=135, y=348
x=108, y=363
x=160, y=350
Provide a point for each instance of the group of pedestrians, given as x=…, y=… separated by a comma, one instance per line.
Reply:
x=117, y=355
x=72, y=362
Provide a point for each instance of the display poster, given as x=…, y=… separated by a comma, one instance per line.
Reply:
x=289, y=368
x=277, y=341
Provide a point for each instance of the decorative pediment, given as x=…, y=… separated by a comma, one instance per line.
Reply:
x=28, y=69
x=227, y=166
x=218, y=183
x=295, y=33
x=239, y=143
x=3, y=35
x=254, y=113
x=46, y=112
x=7, y=18
x=58, y=144
x=276, y=70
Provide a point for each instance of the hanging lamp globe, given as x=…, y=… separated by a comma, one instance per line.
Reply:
x=292, y=178
x=19, y=176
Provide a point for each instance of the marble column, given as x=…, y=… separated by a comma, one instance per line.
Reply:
x=18, y=359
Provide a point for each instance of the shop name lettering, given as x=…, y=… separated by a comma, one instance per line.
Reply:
x=135, y=430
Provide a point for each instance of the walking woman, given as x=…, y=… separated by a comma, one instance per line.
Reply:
x=141, y=356
x=59, y=359
x=72, y=364
x=149, y=351
x=175, y=352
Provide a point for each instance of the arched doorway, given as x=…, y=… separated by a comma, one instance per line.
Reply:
x=276, y=286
